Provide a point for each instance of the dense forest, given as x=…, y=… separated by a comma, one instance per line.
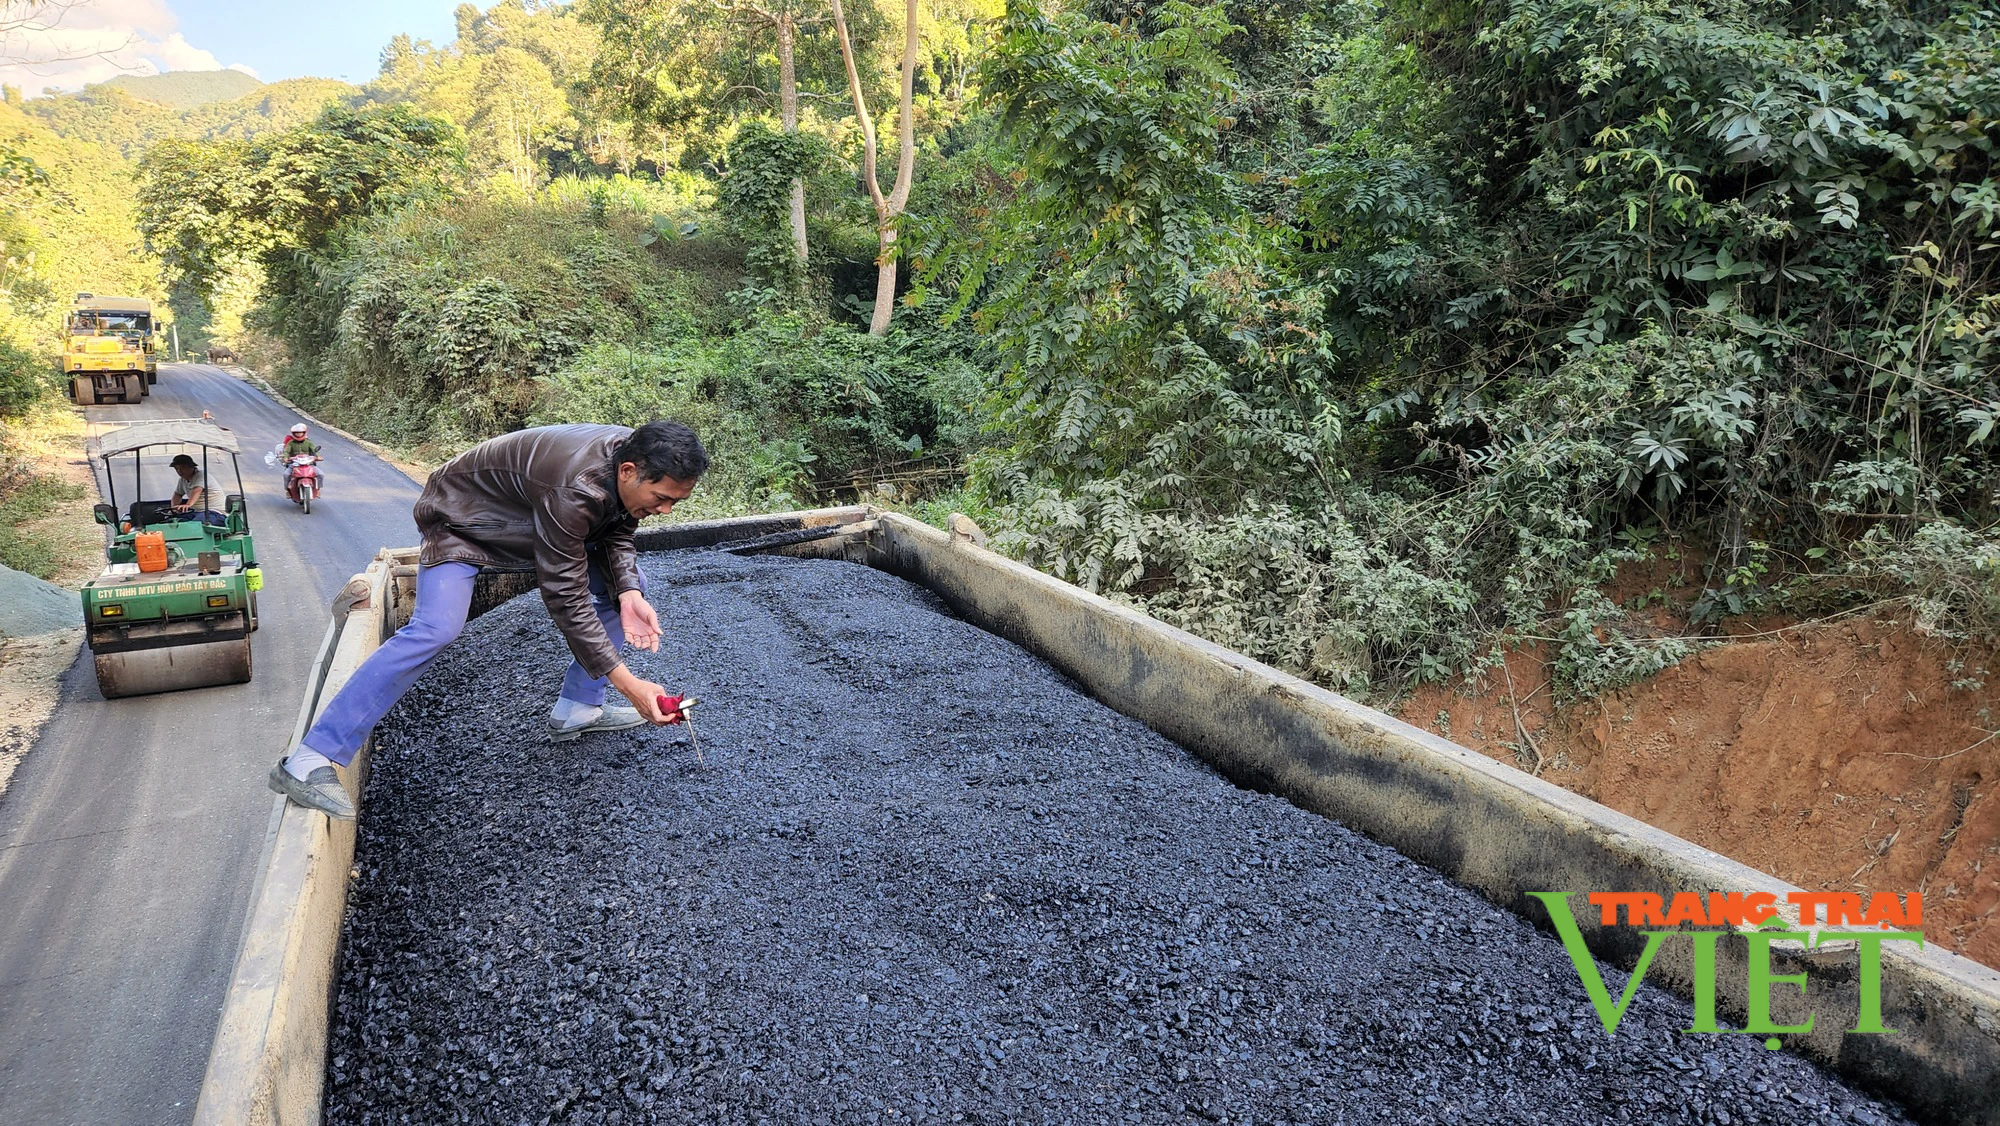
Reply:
x=1370, y=339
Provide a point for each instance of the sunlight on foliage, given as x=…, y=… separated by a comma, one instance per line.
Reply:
x=1372, y=340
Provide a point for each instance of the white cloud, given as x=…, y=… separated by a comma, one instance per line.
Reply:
x=245, y=70
x=68, y=45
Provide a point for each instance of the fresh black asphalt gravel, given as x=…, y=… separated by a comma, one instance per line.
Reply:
x=924, y=879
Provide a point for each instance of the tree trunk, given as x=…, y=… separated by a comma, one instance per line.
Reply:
x=906, y=173
x=523, y=155
x=888, y=209
x=885, y=282
x=788, y=116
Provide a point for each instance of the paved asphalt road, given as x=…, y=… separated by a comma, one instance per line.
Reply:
x=129, y=837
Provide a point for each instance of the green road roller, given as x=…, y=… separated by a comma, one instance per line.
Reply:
x=177, y=601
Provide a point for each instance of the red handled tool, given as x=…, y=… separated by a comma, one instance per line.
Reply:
x=680, y=709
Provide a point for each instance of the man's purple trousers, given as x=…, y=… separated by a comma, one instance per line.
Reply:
x=444, y=597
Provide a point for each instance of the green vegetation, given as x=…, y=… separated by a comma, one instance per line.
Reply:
x=25, y=496
x=1363, y=380
x=66, y=225
x=1368, y=339
x=120, y=112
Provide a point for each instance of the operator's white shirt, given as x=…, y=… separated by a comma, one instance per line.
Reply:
x=184, y=487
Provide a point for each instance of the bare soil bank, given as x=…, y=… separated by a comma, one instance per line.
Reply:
x=1838, y=757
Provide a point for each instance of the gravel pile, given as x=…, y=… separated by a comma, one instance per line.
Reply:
x=924, y=879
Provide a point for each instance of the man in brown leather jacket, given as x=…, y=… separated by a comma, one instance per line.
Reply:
x=562, y=501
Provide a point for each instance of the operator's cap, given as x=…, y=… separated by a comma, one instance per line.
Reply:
x=298, y=427
x=180, y=460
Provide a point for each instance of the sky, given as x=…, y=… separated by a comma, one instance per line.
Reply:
x=72, y=43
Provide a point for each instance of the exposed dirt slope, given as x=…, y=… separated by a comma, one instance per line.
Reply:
x=1838, y=757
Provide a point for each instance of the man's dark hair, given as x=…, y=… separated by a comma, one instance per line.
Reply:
x=664, y=449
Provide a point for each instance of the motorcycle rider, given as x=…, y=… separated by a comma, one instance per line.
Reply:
x=295, y=444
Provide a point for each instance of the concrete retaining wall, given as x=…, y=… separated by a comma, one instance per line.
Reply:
x=1483, y=823
x=268, y=1058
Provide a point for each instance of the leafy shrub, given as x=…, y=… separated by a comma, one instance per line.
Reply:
x=444, y=316
x=25, y=379
x=1371, y=389
x=786, y=406
x=675, y=194
x=1948, y=574
x=28, y=496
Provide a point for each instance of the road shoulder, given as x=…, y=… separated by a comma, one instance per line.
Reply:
x=31, y=671
x=46, y=493
x=39, y=634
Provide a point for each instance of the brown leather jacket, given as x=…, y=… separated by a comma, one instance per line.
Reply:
x=544, y=499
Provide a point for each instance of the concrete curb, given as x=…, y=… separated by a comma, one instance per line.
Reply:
x=267, y=1061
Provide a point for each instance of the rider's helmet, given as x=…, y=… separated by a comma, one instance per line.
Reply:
x=298, y=429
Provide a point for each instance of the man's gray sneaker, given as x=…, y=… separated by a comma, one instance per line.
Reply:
x=612, y=718
x=319, y=789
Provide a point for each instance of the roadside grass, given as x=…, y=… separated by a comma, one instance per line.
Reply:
x=25, y=498
x=46, y=493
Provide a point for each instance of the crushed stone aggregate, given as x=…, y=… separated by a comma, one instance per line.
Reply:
x=924, y=878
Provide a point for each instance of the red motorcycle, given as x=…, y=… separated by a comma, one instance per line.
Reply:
x=302, y=480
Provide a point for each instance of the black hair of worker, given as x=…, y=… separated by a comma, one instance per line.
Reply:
x=664, y=449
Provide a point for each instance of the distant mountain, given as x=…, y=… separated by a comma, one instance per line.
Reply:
x=186, y=89
x=131, y=112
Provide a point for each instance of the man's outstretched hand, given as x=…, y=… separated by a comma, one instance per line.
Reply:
x=641, y=624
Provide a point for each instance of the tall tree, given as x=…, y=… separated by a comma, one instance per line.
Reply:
x=519, y=108
x=200, y=216
x=665, y=60
x=782, y=18
x=889, y=208
x=209, y=208
x=784, y=24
